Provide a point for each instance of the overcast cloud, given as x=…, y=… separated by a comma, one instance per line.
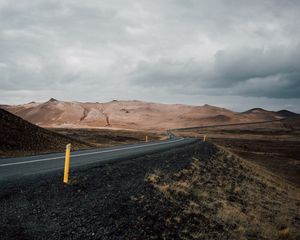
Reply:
x=236, y=54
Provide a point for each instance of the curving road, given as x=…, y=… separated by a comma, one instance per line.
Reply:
x=15, y=168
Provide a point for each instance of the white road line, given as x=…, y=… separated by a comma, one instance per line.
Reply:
x=92, y=153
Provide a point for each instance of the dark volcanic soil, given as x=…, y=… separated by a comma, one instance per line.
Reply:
x=194, y=192
x=280, y=157
x=19, y=137
x=274, y=146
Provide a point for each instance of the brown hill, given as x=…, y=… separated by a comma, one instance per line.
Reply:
x=19, y=137
x=132, y=115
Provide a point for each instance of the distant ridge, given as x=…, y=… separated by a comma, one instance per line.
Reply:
x=135, y=114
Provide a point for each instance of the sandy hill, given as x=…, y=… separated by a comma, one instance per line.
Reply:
x=133, y=114
x=19, y=137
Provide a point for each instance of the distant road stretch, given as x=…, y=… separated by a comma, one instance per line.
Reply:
x=15, y=168
x=228, y=125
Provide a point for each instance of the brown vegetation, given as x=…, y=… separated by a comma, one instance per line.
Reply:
x=225, y=189
x=108, y=137
x=274, y=146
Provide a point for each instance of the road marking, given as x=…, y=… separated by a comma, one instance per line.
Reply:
x=92, y=153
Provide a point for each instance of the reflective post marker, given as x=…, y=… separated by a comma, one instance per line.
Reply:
x=67, y=163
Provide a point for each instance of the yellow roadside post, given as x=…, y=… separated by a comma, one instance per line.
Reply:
x=67, y=163
x=204, y=138
x=146, y=138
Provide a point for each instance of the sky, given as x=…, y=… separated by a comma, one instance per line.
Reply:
x=235, y=54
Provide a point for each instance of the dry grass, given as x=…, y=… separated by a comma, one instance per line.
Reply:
x=284, y=233
x=264, y=174
x=250, y=202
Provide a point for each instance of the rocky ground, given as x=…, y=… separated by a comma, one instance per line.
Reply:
x=194, y=192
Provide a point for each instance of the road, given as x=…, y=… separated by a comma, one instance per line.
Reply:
x=16, y=168
x=227, y=125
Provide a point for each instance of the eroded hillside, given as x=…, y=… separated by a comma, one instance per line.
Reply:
x=134, y=115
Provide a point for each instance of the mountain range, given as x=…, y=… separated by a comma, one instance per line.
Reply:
x=134, y=114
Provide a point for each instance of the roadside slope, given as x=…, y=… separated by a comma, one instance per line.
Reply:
x=19, y=137
x=192, y=192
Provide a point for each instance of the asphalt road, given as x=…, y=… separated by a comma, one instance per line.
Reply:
x=16, y=168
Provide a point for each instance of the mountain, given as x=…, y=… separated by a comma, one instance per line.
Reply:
x=132, y=114
x=19, y=137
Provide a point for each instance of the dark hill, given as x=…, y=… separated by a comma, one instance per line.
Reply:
x=286, y=113
x=19, y=137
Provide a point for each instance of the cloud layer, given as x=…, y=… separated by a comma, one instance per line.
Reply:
x=173, y=51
